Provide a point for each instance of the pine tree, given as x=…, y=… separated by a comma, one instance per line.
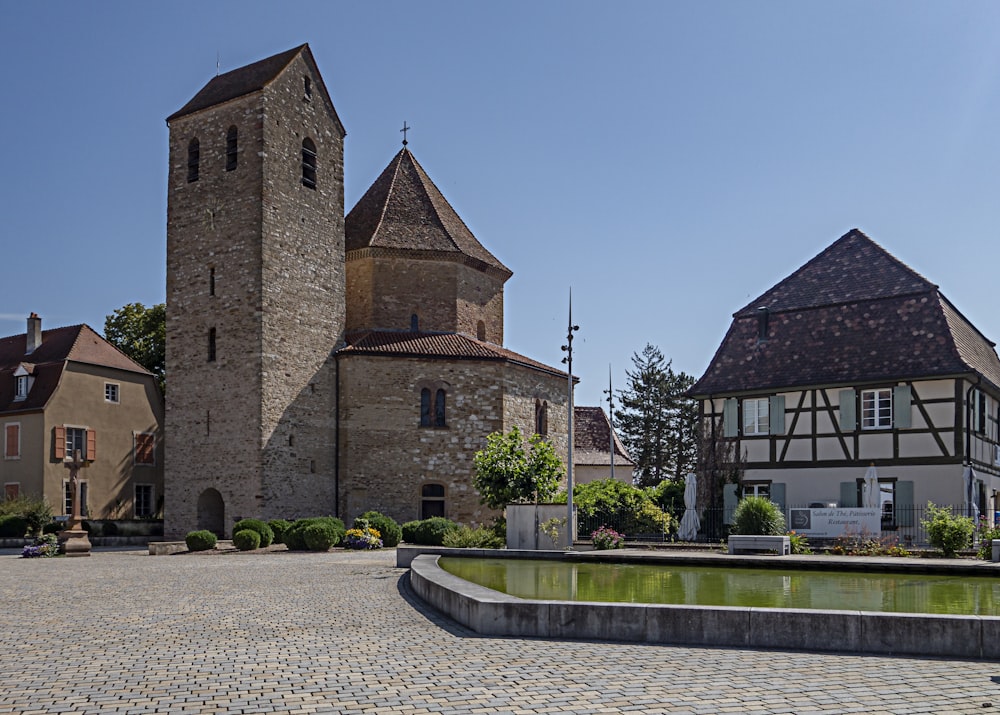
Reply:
x=656, y=420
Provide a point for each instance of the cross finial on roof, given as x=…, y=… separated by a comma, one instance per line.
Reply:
x=405, y=129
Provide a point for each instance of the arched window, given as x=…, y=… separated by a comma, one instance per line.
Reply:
x=425, y=408
x=308, y=163
x=439, y=399
x=541, y=418
x=414, y=323
x=194, y=157
x=480, y=330
x=431, y=500
x=211, y=344
x=232, y=144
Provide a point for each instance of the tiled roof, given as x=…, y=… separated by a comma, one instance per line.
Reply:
x=403, y=209
x=76, y=343
x=592, y=439
x=251, y=78
x=854, y=314
x=434, y=345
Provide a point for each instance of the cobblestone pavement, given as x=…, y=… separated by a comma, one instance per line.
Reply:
x=124, y=632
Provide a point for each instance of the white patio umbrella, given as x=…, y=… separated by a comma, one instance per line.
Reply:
x=872, y=492
x=690, y=523
x=969, y=482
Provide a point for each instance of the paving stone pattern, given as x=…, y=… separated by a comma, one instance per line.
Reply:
x=124, y=632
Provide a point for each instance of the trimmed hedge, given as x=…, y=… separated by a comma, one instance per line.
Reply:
x=390, y=531
x=429, y=532
x=265, y=532
x=200, y=540
x=279, y=527
x=320, y=537
x=246, y=540
x=13, y=526
x=295, y=539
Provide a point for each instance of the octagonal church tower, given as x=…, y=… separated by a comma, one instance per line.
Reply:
x=255, y=296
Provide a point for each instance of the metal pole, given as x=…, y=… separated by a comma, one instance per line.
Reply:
x=568, y=360
x=611, y=421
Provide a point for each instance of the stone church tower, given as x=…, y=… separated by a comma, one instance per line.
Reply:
x=255, y=296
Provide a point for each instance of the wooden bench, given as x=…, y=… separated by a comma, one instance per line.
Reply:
x=781, y=545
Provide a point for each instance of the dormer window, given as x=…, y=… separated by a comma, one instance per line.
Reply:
x=21, y=387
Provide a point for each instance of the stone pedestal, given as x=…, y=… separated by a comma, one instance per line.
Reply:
x=74, y=542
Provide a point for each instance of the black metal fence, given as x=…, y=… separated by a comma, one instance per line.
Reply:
x=903, y=526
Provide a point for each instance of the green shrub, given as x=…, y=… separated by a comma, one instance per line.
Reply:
x=632, y=510
x=279, y=527
x=265, y=532
x=320, y=537
x=246, y=539
x=429, y=532
x=200, y=540
x=109, y=528
x=386, y=526
x=465, y=537
x=758, y=516
x=53, y=527
x=947, y=532
x=295, y=535
x=36, y=511
x=13, y=526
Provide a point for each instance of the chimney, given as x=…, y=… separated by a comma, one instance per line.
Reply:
x=34, y=333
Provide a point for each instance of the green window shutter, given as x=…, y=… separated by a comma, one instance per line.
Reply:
x=903, y=503
x=776, y=412
x=729, y=501
x=730, y=418
x=848, y=411
x=848, y=494
x=901, y=403
x=778, y=495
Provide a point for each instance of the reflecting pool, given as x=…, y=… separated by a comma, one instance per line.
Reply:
x=745, y=587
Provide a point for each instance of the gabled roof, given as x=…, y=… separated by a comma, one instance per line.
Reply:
x=75, y=343
x=404, y=210
x=252, y=78
x=455, y=346
x=853, y=314
x=592, y=439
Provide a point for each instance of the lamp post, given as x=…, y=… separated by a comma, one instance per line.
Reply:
x=611, y=420
x=568, y=361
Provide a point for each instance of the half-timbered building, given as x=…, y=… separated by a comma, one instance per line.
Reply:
x=857, y=360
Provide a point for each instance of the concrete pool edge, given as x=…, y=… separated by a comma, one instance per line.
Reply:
x=492, y=613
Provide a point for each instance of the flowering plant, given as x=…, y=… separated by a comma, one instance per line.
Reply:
x=364, y=537
x=607, y=538
x=44, y=546
x=799, y=543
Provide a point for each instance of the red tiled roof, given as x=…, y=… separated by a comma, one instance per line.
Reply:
x=592, y=439
x=404, y=210
x=76, y=343
x=853, y=314
x=434, y=345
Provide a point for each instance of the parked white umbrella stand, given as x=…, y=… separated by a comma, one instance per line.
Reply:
x=690, y=523
x=872, y=491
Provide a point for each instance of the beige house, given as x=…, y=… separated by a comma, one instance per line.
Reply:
x=857, y=360
x=592, y=457
x=68, y=389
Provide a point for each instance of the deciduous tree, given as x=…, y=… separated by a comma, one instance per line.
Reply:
x=510, y=470
x=140, y=333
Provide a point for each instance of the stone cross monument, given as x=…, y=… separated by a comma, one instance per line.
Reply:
x=73, y=540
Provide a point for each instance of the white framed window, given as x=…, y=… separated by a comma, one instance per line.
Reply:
x=757, y=489
x=12, y=440
x=76, y=439
x=876, y=408
x=996, y=454
x=756, y=418
x=111, y=392
x=68, y=497
x=143, y=503
x=20, y=387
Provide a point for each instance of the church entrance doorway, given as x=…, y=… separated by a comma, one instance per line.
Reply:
x=212, y=512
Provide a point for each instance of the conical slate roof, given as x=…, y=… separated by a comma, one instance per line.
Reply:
x=852, y=314
x=404, y=210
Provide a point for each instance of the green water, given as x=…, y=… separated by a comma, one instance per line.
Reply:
x=711, y=586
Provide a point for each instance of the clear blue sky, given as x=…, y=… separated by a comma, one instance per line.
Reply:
x=669, y=161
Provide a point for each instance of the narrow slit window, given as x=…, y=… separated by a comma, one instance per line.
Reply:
x=439, y=401
x=308, y=163
x=307, y=87
x=194, y=159
x=211, y=281
x=232, y=145
x=425, y=408
x=211, y=344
